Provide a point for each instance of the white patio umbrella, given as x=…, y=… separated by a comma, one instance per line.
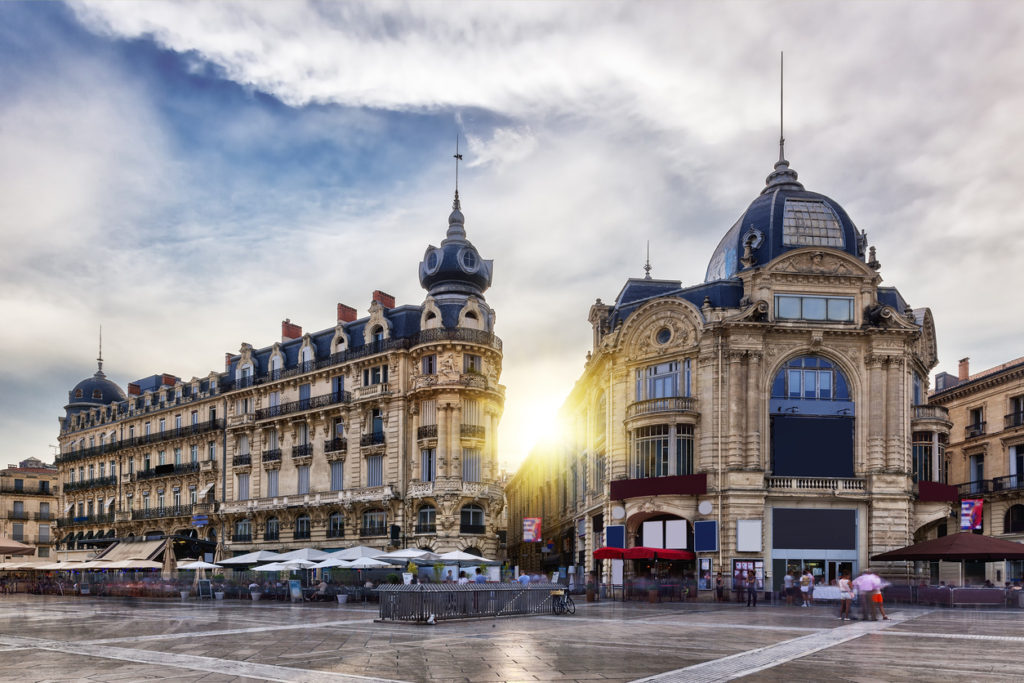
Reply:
x=357, y=551
x=272, y=567
x=368, y=563
x=252, y=558
x=297, y=564
x=199, y=564
x=311, y=554
x=410, y=554
x=332, y=562
x=459, y=556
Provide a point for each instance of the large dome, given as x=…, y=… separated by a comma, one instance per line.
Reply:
x=455, y=267
x=784, y=217
x=94, y=391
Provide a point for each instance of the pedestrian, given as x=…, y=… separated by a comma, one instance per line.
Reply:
x=524, y=579
x=845, y=596
x=480, y=576
x=751, y=588
x=720, y=588
x=876, y=599
x=866, y=585
x=806, y=586
x=788, y=586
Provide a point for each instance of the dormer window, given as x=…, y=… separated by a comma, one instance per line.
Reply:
x=816, y=308
x=78, y=393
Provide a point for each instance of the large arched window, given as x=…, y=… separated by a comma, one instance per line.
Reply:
x=273, y=531
x=472, y=520
x=336, y=525
x=812, y=420
x=302, y=526
x=243, y=531
x=426, y=519
x=374, y=523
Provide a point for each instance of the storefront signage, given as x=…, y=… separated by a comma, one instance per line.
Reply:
x=970, y=514
x=531, y=529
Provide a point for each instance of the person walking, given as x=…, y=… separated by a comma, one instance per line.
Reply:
x=751, y=588
x=845, y=596
x=866, y=585
x=806, y=586
x=788, y=586
x=719, y=588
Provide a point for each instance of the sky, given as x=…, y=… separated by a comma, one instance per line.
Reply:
x=187, y=175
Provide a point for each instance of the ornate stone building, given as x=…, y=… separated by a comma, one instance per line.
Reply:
x=28, y=502
x=378, y=430
x=985, y=456
x=762, y=418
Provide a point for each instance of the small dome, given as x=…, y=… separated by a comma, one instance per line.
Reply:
x=94, y=391
x=455, y=267
x=784, y=217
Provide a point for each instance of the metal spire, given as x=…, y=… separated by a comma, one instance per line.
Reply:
x=458, y=158
x=647, y=265
x=782, y=139
x=99, y=359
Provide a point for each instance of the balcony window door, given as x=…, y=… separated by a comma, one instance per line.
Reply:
x=272, y=478
x=177, y=457
x=193, y=453
x=303, y=434
x=336, y=525
x=337, y=475
x=376, y=421
x=428, y=464
x=159, y=499
x=177, y=498
x=375, y=470
x=302, y=526
x=243, y=487
x=426, y=519
x=976, y=466
x=374, y=522
x=273, y=531
x=304, y=393
x=303, y=476
x=192, y=495
x=471, y=464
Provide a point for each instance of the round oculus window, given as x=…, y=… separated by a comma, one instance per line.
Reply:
x=433, y=261
x=664, y=335
x=469, y=260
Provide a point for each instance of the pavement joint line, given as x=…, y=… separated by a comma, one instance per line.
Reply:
x=219, y=632
x=752, y=661
x=958, y=636
x=709, y=624
x=269, y=672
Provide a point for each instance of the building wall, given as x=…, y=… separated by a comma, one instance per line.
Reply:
x=28, y=504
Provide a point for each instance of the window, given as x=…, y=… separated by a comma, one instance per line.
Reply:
x=211, y=448
x=375, y=470
x=376, y=421
x=426, y=520
x=976, y=422
x=470, y=464
x=177, y=422
x=378, y=374
x=92, y=473
x=44, y=533
x=336, y=525
x=1016, y=416
x=103, y=468
x=374, y=522
x=272, y=479
x=303, y=476
x=810, y=223
x=18, y=532
x=302, y=526
x=472, y=363
x=303, y=433
x=922, y=455
x=377, y=333
x=339, y=428
x=243, y=530
x=159, y=499
x=177, y=497
x=337, y=475
x=195, y=417
x=471, y=520
x=192, y=495
x=113, y=469
x=243, y=487
x=146, y=462
x=663, y=380
x=650, y=452
x=427, y=464
x=177, y=456
x=131, y=466
x=243, y=444
x=72, y=476
x=273, y=531
x=823, y=308
x=684, y=449
x=161, y=457
x=163, y=425
x=193, y=453
x=977, y=472
x=428, y=413
x=810, y=377
x=146, y=429
x=430, y=364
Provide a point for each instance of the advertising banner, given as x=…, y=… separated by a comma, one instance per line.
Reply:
x=531, y=529
x=970, y=514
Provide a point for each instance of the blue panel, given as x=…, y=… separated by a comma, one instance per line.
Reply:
x=615, y=536
x=705, y=536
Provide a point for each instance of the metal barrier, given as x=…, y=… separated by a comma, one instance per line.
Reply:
x=432, y=602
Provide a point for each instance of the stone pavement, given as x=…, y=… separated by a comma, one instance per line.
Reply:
x=48, y=638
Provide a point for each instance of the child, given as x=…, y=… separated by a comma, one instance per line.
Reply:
x=845, y=596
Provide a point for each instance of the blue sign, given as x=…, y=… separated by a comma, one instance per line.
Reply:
x=615, y=536
x=705, y=536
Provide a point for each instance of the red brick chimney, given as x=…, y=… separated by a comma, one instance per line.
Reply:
x=133, y=389
x=289, y=330
x=346, y=314
x=385, y=300
x=167, y=380
x=965, y=369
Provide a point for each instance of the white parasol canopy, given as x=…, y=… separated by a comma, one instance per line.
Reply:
x=368, y=563
x=410, y=554
x=459, y=556
x=332, y=562
x=357, y=551
x=272, y=567
x=253, y=558
x=311, y=554
x=199, y=564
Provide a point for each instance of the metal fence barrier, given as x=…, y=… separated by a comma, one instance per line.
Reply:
x=432, y=602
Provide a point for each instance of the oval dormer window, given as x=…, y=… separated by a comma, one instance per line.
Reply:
x=469, y=260
x=78, y=393
x=433, y=261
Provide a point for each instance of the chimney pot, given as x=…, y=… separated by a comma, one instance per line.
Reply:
x=385, y=300
x=346, y=314
x=289, y=330
x=965, y=369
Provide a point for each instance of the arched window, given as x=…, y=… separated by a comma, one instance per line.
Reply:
x=97, y=394
x=336, y=525
x=377, y=334
x=273, y=531
x=1013, y=523
x=472, y=520
x=302, y=526
x=243, y=531
x=374, y=523
x=426, y=520
x=812, y=420
x=78, y=393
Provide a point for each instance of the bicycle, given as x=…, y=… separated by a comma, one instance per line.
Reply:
x=561, y=603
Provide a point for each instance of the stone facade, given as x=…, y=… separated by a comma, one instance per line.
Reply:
x=380, y=430
x=28, y=505
x=762, y=417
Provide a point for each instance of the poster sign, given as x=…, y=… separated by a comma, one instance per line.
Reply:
x=295, y=590
x=204, y=589
x=970, y=514
x=705, y=582
x=531, y=529
x=741, y=569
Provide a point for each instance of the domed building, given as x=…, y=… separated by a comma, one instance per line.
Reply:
x=377, y=430
x=760, y=420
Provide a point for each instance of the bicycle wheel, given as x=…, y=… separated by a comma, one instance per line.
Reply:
x=570, y=606
x=557, y=605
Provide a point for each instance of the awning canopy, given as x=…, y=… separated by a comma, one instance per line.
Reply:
x=67, y=509
x=644, y=553
x=957, y=547
x=145, y=550
x=110, y=501
x=609, y=553
x=205, y=490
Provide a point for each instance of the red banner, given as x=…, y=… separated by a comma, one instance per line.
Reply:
x=531, y=529
x=970, y=514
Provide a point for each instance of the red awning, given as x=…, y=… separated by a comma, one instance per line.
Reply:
x=609, y=553
x=644, y=553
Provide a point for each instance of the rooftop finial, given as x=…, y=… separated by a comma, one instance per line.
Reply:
x=99, y=359
x=782, y=139
x=647, y=264
x=458, y=158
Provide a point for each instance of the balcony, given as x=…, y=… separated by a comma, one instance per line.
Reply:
x=272, y=455
x=145, y=439
x=472, y=528
x=303, y=404
x=303, y=450
x=336, y=533
x=17, y=514
x=300, y=534
x=274, y=535
x=1012, y=482
x=242, y=460
x=426, y=432
x=1014, y=420
x=241, y=538
x=372, y=391
x=90, y=483
x=676, y=405
x=373, y=531
x=438, y=334
x=820, y=484
x=926, y=413
x=86, y=519
x=973, y=430
x=425, y=529
x=38, y=489
x=168, y=511
x=167, y=471
x=372, y=439
x=335, y=445
x=472, y=431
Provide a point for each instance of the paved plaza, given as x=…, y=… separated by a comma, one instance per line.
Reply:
x=45, y=638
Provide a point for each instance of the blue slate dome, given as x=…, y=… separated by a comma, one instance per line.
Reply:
x=94, y=391
x=455, y=267
x=784, y=217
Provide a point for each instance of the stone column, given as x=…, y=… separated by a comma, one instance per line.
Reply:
x=441, y=465
x=894, y=429
x=876, y=415
x=414, y=439
x=734, y=448
x=754, y=411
